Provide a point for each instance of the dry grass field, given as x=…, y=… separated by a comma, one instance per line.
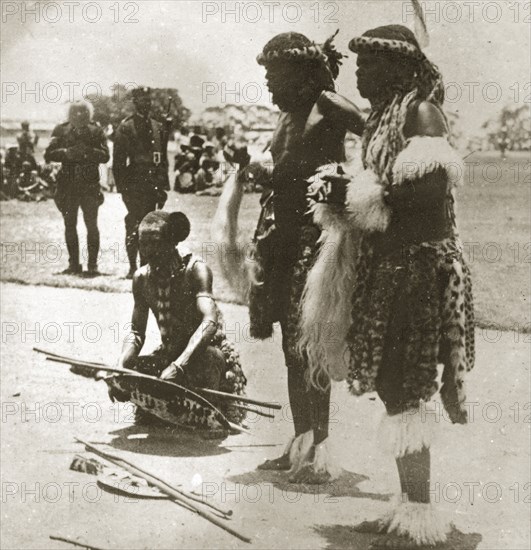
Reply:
x=494, y=214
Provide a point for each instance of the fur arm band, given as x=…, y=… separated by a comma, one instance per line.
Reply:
x=365, y=202
x=424, y=155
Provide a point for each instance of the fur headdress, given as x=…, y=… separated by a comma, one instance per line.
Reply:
x=293, y=46
x=399, y=40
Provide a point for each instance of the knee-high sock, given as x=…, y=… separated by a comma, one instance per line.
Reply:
x=298, y=400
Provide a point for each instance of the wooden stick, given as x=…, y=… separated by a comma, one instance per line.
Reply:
x=138, y=374
x=256, y=411
x=194, y=496
x=122, y=462
x=75, y=543
x=164, y=487
x=240, y=428
x=50, y=354
x=106, y=368
x=241, y=398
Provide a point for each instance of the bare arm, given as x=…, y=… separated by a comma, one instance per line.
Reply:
x=202, y=284
x=339, y=110
x=425, y=121
x=135, y=339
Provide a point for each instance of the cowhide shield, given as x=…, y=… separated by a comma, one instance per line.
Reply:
x=169, y=402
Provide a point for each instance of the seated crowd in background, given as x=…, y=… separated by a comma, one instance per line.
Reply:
x=21, y=176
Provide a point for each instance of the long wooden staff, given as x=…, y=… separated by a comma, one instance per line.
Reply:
x=234, y=397
x=83, y=364
x=164, y=487
x=100, y=366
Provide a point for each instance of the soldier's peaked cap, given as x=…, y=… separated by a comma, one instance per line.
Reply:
x=142, y=91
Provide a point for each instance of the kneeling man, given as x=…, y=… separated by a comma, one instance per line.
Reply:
x=178, y=290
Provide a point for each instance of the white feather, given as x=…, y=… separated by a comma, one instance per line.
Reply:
x=421, y=29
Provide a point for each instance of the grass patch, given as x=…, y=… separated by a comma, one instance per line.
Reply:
x=494, y=215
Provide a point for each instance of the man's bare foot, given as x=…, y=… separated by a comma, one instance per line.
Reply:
x=308, y=475
x=280, y=464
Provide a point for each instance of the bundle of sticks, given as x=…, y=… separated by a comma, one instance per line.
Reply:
x=187, y=500
x=238, y=401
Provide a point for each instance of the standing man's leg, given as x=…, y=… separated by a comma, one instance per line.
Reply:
x=90, y=206
x=311, y=462
x=131, y=233
x=132, y=221
x=69, y=212
x=138, y=206
x=145, y=205
x=412, y=522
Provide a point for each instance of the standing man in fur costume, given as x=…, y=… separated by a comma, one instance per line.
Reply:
x=310, y=133
x=412, y=300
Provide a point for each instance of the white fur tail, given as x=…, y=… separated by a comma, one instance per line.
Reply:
x=230, y=254
x=325, y=306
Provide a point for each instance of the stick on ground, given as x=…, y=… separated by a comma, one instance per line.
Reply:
x=164, y=487
x=75, y=542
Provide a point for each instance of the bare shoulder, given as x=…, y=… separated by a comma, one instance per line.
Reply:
x=425, y=119
x=201, y=276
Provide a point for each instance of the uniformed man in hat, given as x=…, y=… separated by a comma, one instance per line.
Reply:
x=80, y=146
x=140, y=168
x=27, y=140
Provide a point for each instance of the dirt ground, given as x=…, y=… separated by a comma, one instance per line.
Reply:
x=480, y=472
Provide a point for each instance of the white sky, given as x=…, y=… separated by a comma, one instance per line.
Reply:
x=482, y=46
